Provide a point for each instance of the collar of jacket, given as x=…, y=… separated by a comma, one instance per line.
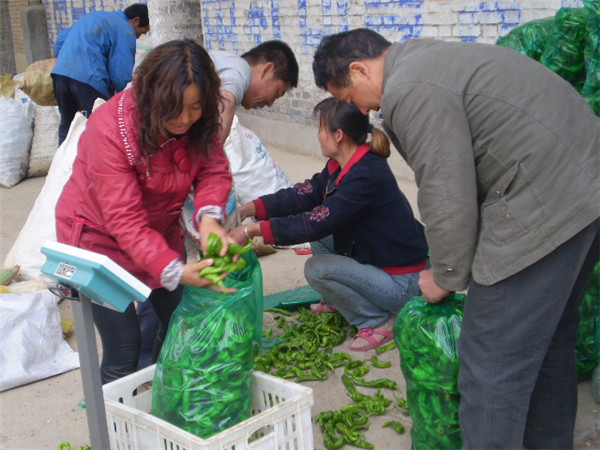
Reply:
x=359, y=154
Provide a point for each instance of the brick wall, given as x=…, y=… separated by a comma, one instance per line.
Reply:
x=61, y=14
x=15, y=8
x=238, y=25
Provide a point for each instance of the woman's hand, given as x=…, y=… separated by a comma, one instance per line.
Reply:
x=432, y=293
x=238, y=234
x=191, y=276
x=242, y=234
x=247, y=210
x=209, y=225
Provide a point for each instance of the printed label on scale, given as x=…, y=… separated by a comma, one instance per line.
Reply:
x=65, y=271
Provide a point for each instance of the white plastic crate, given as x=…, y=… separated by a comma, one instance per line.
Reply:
x=280, y=418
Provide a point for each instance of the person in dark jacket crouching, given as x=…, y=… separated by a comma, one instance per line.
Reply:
x=370, y=247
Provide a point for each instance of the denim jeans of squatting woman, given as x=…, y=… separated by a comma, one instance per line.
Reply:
x=366, y=295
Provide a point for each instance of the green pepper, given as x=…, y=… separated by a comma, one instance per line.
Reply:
x=380, y=364
x=210, y=270
x=213, y=248
x=379, y=383
x=332, y=443
x=397, y=426
x=283, y=312
x=385, y=348
x=237, y=249
x=362, y=444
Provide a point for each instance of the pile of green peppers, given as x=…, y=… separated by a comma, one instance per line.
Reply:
x=587, y=347
x=427, y=337
x=223, y=264
x=204, y=371
x=306, y=351
x=346, y=426
x=306, y=354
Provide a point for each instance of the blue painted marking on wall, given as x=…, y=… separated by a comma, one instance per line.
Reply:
x=509, y=18
x=275, y=19
x=403, y=21
x=571, y=4
x=67, y=12
x=76, y=12
x=256, y=22
x=400, y=3
x=219, y=27
x=311, y=36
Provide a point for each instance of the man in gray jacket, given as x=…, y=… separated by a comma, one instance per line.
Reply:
x=506, y=155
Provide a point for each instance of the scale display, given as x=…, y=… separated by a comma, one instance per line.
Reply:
x=95, y=275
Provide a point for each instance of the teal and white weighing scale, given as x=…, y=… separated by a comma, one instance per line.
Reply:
x=101, y=281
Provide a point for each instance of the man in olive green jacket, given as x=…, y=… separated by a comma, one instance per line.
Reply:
x=506, y=155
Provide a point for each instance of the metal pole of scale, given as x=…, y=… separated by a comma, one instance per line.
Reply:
x=90, y=373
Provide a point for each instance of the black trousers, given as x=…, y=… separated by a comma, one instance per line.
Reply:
x=72, y=96
x=121, y=337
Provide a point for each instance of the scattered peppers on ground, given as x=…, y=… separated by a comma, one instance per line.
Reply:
x=67, y=446
x=306, y=353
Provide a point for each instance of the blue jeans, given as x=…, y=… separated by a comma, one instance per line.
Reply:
x=366, y=295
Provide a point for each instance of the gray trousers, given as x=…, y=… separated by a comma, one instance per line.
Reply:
x=517, y=374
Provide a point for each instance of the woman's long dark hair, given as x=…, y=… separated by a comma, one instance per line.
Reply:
x=160, y=81
x=337, y=115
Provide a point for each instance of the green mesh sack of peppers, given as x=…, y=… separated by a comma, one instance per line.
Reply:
x=427, y=336
x=530, y=38
x=564, y=53
x=204, y=370
x=587, y=347
x=591, y=54
x=567, y=43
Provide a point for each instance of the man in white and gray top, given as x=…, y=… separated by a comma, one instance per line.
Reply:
x=255, y=79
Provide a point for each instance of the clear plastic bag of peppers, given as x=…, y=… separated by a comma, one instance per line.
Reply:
x=587, y=347
x=203, y=374
x=427, y=337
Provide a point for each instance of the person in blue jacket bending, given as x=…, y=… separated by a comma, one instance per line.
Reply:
x=95, y=58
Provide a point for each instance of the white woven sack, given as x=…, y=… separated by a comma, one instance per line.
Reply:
x=254, y=171
x=40, y=225
x=32, y=346
x=16, y=120
x=45, y=140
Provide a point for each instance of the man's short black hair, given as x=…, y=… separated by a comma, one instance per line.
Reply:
x=138, y=10
x=335, y=53
x=281, y=55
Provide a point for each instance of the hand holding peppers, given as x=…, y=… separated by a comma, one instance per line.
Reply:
x=210, y=226
x=222, y=265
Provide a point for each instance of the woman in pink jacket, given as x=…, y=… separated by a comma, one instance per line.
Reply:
x=139, y=156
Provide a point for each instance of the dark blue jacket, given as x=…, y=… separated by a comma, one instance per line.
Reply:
x=362, y=206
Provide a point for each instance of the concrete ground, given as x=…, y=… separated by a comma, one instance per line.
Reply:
x=43, y=414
